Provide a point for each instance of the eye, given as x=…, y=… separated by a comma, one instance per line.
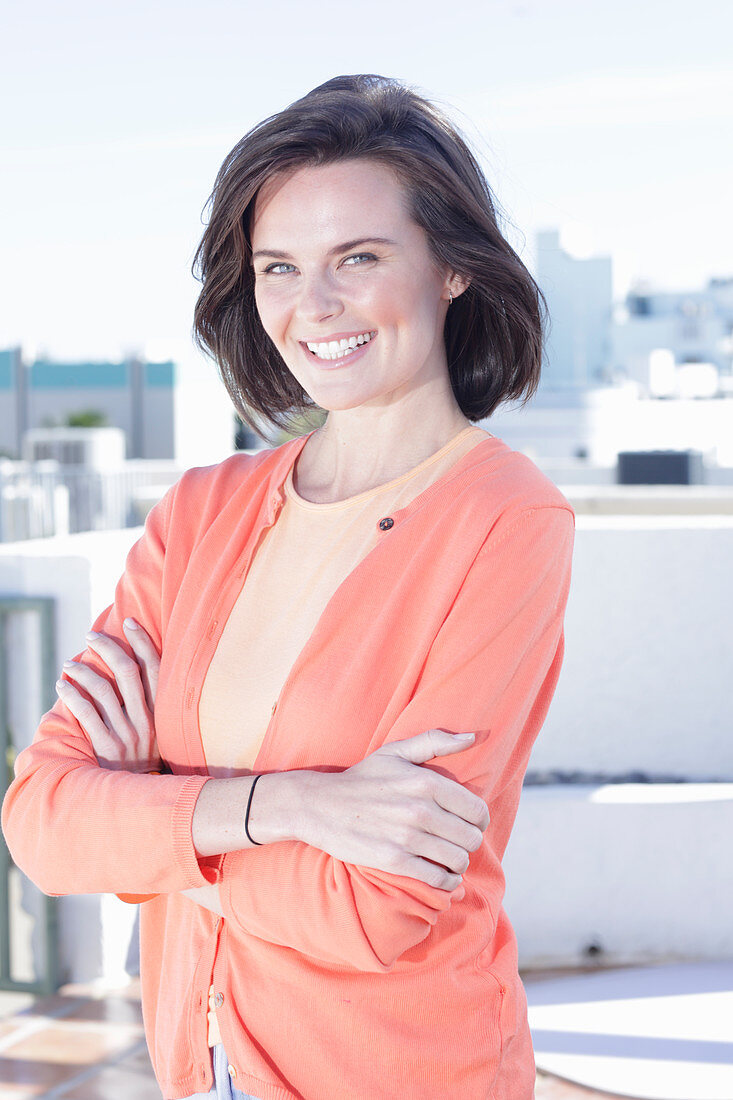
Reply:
x=359, y=256
x=270, y=269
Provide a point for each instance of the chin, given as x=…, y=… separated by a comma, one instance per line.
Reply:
x=331, y=404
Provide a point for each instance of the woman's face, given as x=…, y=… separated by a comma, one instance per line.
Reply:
x=345, y=284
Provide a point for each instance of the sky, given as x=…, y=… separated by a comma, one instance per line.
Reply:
x=610, y=122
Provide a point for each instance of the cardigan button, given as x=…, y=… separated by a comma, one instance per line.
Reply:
x=386, y=523
x=232, y=1071
x=218, y=1000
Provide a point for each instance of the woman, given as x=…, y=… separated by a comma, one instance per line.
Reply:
x=322, y=904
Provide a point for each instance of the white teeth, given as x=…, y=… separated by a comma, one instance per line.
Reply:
x=337, y=349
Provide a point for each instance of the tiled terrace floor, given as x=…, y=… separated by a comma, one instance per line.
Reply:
x=81, y=1045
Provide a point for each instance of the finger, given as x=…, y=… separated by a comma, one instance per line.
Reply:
x=105, y=699
x=430, y=873
x=148, y=657
x=458, y=800
x=427, y=745
x=103, y=740
x=450, y=856
x=454, y=829
x=126, y=672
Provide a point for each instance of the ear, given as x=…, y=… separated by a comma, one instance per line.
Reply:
x=456, y=284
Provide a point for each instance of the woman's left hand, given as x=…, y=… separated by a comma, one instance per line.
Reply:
x=122, y=736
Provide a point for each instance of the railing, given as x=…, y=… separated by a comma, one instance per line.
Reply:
x=25, y=912
x=38, y=499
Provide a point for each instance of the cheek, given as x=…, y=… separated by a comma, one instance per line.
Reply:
x=272, y=313
x=406, y=301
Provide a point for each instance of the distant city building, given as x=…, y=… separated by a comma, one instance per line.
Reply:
x=579, y=295
x=599, y=423
x=167, y=410
x=652, y=374
x=693, y=327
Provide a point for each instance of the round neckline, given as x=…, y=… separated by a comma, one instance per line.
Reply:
x=367, y=494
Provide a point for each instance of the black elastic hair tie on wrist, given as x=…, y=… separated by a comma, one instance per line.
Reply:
x=249, y=803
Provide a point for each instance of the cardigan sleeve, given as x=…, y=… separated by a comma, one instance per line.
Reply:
x=74, y=827
x=492, y=669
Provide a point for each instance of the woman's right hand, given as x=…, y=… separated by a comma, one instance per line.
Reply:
x=389, y=813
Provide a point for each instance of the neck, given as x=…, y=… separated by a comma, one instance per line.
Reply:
x=343, y=459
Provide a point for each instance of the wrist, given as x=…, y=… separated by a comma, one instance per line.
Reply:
x=276, y=811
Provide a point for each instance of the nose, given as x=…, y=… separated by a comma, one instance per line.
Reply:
x=318, y=298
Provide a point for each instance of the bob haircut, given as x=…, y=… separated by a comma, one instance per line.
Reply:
x=494, y=331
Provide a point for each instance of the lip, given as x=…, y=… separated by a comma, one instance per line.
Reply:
x=337, y=336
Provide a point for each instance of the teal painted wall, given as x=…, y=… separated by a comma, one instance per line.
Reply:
x=160, y=374
x=46, y=375
x=61, y=376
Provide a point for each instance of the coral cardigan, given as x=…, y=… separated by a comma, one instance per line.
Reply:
x=336, y=980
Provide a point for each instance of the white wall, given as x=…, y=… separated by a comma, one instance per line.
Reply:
x=646, y=678
x=642, y=873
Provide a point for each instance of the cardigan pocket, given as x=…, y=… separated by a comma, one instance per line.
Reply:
x=498, y=1025
x=500, y=1032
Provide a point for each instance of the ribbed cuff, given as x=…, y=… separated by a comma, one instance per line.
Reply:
x=184, y=852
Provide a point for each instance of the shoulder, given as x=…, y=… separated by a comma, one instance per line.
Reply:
x=222, y=479
x=527, y=526
x=204, y=493
x=503, y=485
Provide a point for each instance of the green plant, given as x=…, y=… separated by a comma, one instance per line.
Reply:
x=86, y=418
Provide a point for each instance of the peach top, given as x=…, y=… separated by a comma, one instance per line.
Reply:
x=297, y=567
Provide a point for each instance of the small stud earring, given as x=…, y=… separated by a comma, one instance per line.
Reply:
x=450, y=299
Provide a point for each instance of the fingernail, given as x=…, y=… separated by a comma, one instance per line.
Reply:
x=70, y=664
x=130, y=624
x=466, y=735
x=61, y=686
x=91, y=636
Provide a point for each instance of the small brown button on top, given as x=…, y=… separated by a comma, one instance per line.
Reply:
x=386, y=523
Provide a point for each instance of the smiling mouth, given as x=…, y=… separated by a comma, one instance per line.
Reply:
x=339, y=349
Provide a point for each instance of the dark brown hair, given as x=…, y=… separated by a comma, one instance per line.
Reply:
x=494, y=331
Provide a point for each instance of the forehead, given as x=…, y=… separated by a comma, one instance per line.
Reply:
x=355, y=197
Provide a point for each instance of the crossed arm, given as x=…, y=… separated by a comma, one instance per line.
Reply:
x=356, y=815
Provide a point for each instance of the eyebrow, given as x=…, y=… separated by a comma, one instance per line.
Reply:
x=345, y=247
